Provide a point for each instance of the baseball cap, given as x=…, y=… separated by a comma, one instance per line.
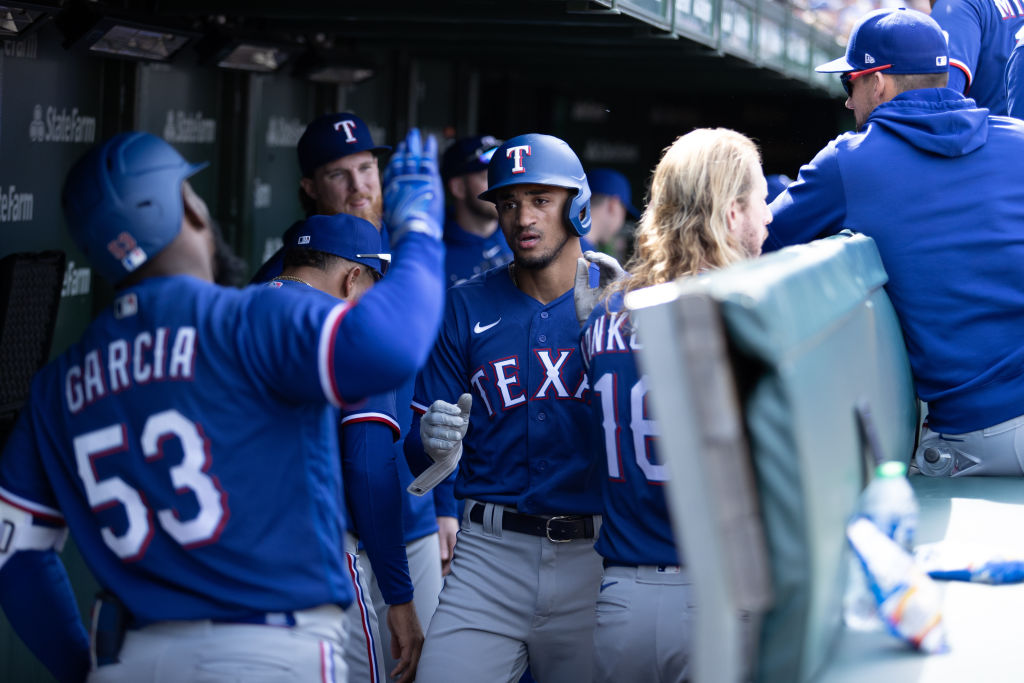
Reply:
x=907, y=40
x=349, y=237
x=468, y=155
x=612, y=183
x=333, y=136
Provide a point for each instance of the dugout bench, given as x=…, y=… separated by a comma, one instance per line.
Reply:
x=765, y=378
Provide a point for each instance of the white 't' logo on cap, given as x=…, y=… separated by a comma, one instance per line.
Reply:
x=347, y=125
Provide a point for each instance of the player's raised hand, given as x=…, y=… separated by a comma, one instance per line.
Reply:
x=443, y=427
x=413, y=197
x=586, y=297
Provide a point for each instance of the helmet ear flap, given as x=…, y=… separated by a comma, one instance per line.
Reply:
x=578, y=211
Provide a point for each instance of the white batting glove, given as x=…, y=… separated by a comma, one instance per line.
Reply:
x=442, y=429
x=584, y=296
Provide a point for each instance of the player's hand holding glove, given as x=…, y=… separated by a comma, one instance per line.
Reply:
x=442, y=429
x=413, y=197
x=586, y=297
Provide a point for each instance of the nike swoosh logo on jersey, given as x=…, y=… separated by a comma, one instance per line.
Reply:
x=492, y=252
x=478, y=328
x=607, y=585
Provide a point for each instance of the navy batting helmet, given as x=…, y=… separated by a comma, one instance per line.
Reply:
x=544, y=160
x=122, y=201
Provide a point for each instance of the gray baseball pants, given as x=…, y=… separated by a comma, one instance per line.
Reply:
x=214, y=652
x=513, y=599
x=644, y=625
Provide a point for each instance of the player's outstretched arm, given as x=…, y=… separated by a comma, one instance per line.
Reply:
x=36, y=595
x=386, y=336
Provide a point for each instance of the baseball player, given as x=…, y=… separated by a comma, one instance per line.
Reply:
x=524, y=578
x=338, y=159
x=188, y=440
x=473, y=242
x=961, y=332
x=341, y=255
x=981, y=34
x=340, y=174
x=612, y=202
x=707, y=209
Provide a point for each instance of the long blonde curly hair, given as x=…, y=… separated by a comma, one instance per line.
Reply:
x=685, y=227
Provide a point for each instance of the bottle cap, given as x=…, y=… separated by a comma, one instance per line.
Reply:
x=891, y=469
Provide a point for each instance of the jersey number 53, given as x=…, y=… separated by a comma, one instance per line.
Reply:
x=188, y=475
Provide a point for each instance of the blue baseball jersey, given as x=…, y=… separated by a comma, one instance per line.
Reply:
x=160, y=437
x=981, y=35
x=636, y=528
x=371, y=482
x=527, y=445
x=469, y=254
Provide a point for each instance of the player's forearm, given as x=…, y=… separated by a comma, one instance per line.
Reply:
x=415, y=456
x=36, y=598
x=375, y=499
x=445, y=504
x=386, y=337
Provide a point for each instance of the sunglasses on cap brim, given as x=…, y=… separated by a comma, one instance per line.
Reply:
x=848, y=77
x=385, y=261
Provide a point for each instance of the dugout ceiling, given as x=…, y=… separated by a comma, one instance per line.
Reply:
x=702, y=46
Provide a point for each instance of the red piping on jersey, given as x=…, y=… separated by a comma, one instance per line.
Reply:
x=367, y=417
x=361, y=601
x=32, y=511
x=967, y=73
x=330, y=355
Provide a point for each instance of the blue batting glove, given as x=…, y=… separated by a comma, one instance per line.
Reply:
x=413, y=197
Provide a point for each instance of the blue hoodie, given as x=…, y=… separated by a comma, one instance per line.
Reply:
x=933, y=179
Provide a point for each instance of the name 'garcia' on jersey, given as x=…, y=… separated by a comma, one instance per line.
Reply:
x=122, y=363
x=610, y=333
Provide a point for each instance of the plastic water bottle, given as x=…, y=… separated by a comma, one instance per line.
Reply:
x=889, y=502
x=909, y=601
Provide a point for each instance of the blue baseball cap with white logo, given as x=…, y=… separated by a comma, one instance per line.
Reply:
x=349, y=237
x=610, y=182
x=902, y=41
x=333, y=136
x=468, y=155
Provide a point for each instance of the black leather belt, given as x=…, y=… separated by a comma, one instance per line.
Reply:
x=557, y=529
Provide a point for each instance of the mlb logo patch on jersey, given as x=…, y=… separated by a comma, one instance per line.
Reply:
x=275, y=284
x=125, y=306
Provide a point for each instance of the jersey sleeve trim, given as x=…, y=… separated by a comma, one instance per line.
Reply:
x=328, y=336
x=34, y=509
x=967, y=72
x=374, y=417
x=418, y=407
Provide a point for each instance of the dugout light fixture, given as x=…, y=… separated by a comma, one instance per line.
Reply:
x=17, y=21
x=122, y=37
x=244, y=55
x=331, y=66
